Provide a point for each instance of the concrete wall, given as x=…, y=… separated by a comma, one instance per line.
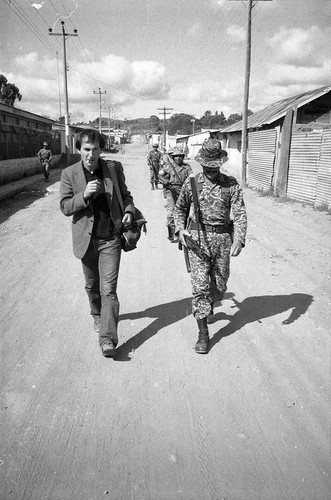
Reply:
x=13, y=170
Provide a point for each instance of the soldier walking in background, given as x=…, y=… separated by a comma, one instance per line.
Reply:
x=202, y=219
x=172, y=175
x=45, y=158
x=153, y=160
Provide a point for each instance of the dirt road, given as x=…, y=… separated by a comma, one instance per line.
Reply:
x=250, y=420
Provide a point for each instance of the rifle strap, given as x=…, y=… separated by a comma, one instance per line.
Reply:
x=174, y=171
x=195, y=202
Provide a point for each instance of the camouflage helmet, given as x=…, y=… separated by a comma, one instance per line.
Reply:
x=211, y=154
x=176, y=151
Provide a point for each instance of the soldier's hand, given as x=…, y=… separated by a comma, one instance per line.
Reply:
x=236, y=248
x=181, y=236
x=92, y=188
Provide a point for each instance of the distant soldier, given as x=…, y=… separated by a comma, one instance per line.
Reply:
x=172, y=175
x=153, y=160
x=202, y=219
x=45, y=158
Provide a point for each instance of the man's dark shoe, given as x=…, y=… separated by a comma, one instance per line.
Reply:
x=201, y=347
x=96, y=325
x=108, y=349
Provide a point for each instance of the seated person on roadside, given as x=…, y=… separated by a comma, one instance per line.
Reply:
x=219, y=236
x=87, y=194
x=172, y=175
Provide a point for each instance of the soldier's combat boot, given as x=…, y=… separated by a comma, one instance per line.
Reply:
x=156, y=185
x=201, y=347
x=152, y=184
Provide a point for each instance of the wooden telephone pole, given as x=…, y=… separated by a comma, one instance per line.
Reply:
x=66, y=116
x=165, y=112
x=244, y=135
x=99, y=92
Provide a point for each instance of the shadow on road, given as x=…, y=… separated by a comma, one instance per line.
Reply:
x=249, y=310
x=256, y=308
x=164, y=314
x=28, y=194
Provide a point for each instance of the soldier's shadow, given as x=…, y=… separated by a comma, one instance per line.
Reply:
x=255, y=309
x=249, y=310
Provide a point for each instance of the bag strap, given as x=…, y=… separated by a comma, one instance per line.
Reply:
x=113, y=176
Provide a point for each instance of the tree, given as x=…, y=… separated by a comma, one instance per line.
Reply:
x=180, y=124
x=8, y=92
x=234, y=118
x=154, y=123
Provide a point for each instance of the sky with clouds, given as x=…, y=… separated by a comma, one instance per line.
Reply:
x=188, y=55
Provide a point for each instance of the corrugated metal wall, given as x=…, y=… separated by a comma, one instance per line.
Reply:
x=261, y=159
x=303, y=165
x=323, y=188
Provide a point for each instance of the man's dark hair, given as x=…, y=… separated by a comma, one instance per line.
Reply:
x=91, y=135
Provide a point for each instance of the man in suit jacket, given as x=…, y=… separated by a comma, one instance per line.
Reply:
x=88, y=195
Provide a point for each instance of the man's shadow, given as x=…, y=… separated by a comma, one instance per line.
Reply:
x=164, y=314
x=256, y=308
x=249, y=310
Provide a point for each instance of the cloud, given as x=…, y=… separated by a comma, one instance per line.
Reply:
x=222, y=97
x=237, y=33
x=302, y=47
x=300, y=59
x=195, y=31
x=123, y=81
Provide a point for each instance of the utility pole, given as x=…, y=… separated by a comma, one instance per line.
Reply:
x=100, y=93
x=66, y=116
x=165, y=112
x=109, y=109
x=193, y=121
x=244, y=135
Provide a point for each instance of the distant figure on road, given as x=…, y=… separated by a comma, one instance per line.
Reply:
x=214, y=236
x=88, y=194
x=45, y=158
x=172, y=175
x=153, y=160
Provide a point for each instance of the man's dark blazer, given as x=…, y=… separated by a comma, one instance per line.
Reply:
x=72, y=187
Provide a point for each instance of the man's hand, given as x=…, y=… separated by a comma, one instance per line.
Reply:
x=236, y=248
x=127, y=220
x=92, y=188
x=181, y=236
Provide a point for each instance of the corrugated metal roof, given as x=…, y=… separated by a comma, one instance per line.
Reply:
x=277, y=110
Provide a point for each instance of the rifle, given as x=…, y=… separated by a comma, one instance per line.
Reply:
x=187, y=259
x=195, y=203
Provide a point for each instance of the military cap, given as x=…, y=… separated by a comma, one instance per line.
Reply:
x=45, y=144
x=211, y=154
x=176, y=151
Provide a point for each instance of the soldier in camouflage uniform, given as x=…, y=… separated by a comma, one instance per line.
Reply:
x=172, y=175
x=153, y=160
x=219, y=236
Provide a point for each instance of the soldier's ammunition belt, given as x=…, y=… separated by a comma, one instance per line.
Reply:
x=209, y=228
